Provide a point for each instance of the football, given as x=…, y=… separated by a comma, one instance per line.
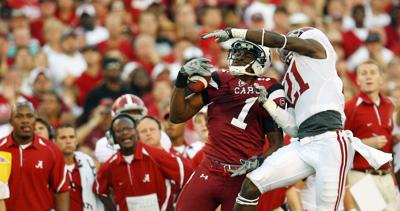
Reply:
x=198, y=83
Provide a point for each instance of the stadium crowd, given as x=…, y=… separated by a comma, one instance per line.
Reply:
x=93, y=69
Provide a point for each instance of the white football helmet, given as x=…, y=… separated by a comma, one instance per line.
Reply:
x=259, y=65
x=129, y=102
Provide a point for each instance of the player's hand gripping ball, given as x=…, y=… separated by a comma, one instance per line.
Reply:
x=198, y=83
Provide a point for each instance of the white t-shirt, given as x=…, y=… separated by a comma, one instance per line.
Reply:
x=62, y=65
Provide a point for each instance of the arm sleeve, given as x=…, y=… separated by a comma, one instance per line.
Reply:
x=101, y=183
x=283, y=117
x=173, y=167
x=58, y=175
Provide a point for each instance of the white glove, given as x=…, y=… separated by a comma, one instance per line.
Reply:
x=198, y=66
x=262, y=96
x=223, y=35
x=247, y=166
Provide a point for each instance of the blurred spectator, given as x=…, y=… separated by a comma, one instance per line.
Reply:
x=40, y=60
x=128, y=104
x=392, y=30
x=99, y=122
x=158, y=101
x=211, y=19
x=87, y=20
x=24, y=64
x=111, y=86
x=257, y=21
x=117, y=40
x=40, y=173
x=52, y=30
x=43, y=129
x=80, y=170
x=66, y=12
x=369, y=117
x=150, y=132
x=176, y=132
x=376, y=16
x=40, y=84
x=69, y=64
x=373, y=49
x=18, y=20
x=355, y=37
x=51, y=108
x=92, y=75
x=149, y=164
x=47, y=10
x=3, y=55
x=146, y=53
x=137, y=79
x=281, y=20
x=185, y=20
x=298, y=20
x=265, y=9
x=231, y=17
x=22, y=39
x=200, y=127
x=148, y=24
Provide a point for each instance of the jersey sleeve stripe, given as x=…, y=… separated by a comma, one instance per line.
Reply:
x=181, y=171
x=215, y=78
x=167, y=195
x=63, y=180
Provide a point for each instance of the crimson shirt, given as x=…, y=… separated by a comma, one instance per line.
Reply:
x=75, y=189
x=237, y=122
x=365, y=120
x=36, y=174
x=148, y=173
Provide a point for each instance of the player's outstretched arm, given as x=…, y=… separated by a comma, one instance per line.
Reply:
x=306, y=47
x=284, y=118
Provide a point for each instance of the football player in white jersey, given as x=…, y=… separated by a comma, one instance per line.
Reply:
x=315, y=116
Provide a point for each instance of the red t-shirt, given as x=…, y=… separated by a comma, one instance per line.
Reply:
x=85, y=83
x=365, y=120
x=75, y=189
x=350, y=43
x=37, y=172
x=148, y=173
x=237, y=122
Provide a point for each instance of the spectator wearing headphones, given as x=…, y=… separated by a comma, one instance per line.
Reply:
x=138, y=174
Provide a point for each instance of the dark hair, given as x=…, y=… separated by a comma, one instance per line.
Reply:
x=49, y=128
x=61, y=126
x=151, y=118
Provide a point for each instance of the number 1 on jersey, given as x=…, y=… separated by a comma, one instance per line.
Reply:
x=239, y=121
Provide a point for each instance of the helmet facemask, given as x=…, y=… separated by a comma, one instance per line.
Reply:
x=254, y=56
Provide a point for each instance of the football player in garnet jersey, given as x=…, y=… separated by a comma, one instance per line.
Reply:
x=237, y=124
x=314, y=91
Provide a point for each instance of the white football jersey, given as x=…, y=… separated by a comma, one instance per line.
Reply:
x=313, y=85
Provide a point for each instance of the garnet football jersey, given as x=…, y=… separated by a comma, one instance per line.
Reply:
x=237, y=122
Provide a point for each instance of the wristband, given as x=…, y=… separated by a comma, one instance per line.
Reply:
x=239, y=33
x=181, y=80
x=285, y=42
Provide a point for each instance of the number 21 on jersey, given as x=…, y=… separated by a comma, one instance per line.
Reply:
x=294, y=94
x=239, y=121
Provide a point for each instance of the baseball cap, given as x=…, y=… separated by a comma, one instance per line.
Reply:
x=36, y=72
x=68, y=33
x=298, y=18
x=111, y=63
x=86, y=9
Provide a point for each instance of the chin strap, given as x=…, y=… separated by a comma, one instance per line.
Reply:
x=241, y=70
